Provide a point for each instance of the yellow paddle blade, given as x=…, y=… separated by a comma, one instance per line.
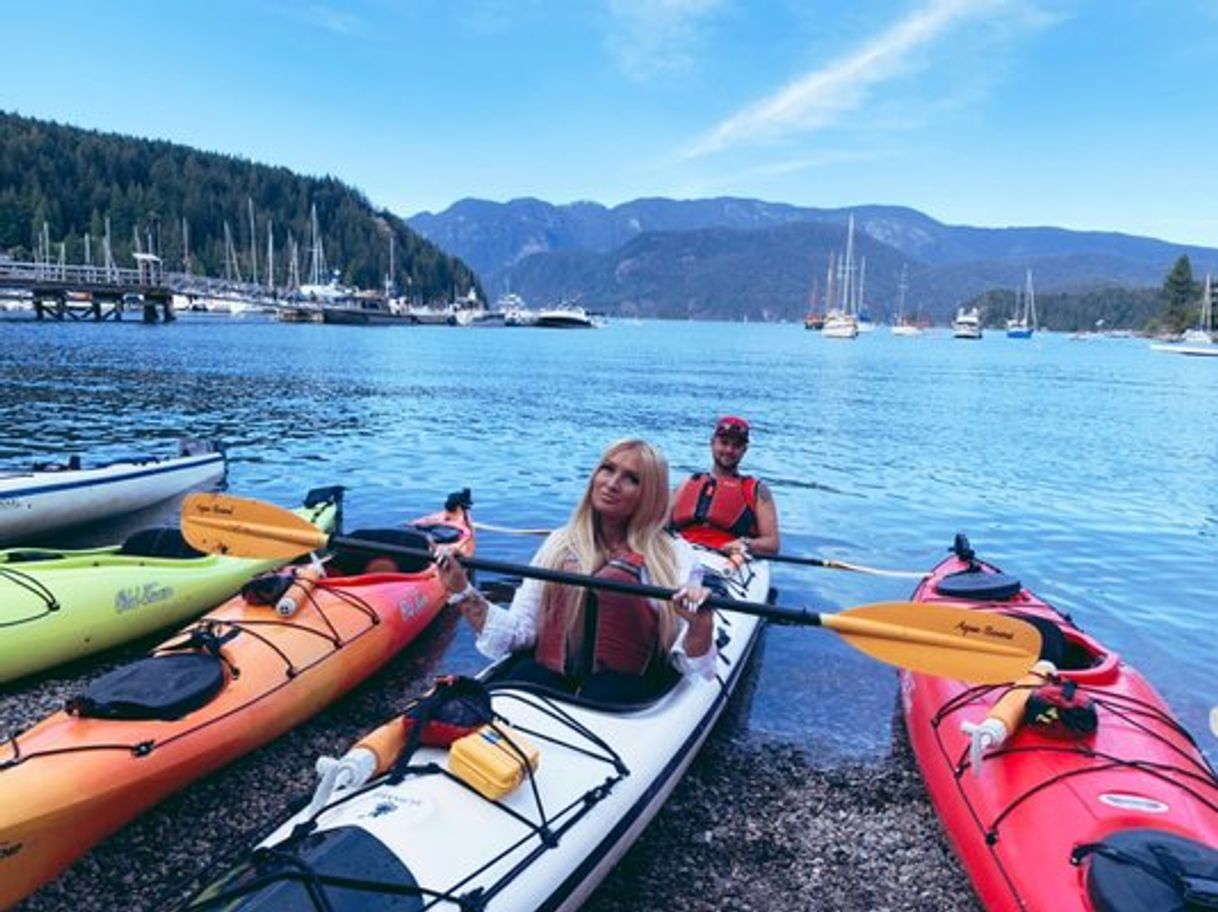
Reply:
x=950, y=642
x=241, y=527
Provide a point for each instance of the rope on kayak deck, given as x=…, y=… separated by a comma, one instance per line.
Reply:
x=1194, y=774
x=35, y=586
x=207, y=628
x=282, y=863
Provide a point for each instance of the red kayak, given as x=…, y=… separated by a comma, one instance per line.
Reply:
x=1082, y=793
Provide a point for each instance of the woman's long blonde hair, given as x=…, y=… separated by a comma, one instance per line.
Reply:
x=579, y=546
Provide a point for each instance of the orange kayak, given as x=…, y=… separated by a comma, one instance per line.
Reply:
x=234, y=680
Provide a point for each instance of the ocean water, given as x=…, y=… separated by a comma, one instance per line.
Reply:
x=1086, y=468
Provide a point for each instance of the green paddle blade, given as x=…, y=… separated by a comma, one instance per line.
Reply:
x=948, y=641
x=241, y=527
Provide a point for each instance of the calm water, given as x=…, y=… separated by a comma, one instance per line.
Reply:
x=1085, y=468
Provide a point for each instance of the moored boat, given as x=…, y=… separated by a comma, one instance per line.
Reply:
x=233, y=681
x=1198, y=342
x=564, y=317
x=60, y=605
x=967, y=324
x=51, y=496
x=838, y=325
x=419, y=837
x=1073, y=790
x=1023, y=324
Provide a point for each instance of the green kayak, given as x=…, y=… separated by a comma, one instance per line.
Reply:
x=56, y=606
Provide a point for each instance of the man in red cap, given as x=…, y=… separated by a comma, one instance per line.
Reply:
x=723, y=509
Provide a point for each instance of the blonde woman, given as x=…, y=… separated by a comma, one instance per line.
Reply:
x=603, y=646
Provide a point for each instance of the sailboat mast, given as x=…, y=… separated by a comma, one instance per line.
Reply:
x=901, y=292
x=848, y=268
x=1029, y=303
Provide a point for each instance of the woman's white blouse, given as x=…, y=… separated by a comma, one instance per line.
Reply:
x=514, y=628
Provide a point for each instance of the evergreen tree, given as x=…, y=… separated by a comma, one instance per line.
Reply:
x=1179, y=294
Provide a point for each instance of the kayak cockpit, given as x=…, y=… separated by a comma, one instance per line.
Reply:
x=345, y=869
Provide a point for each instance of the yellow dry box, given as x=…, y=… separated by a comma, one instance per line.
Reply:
x=490, y=764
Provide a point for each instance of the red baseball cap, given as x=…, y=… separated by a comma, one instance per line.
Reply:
x=732, y=426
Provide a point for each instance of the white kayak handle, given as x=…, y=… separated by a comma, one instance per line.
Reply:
x=982, y=736
x=351, y=771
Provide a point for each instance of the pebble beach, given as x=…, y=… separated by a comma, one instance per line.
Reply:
x=752, y=826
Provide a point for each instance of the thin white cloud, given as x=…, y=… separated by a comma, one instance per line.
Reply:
x=654, y=37
x=330, y=19
x=824, y=96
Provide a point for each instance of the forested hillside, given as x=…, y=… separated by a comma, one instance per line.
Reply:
x=72, y=180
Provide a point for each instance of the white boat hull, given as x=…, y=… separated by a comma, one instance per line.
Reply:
x=447, y=839
x=37, y=502
x=1179, y=348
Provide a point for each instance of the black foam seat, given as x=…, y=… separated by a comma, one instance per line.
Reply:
x=439, y=533
x=159, y=541
x=978, y=586
x=163, y=687
x=348, y=561
x=1139, y=869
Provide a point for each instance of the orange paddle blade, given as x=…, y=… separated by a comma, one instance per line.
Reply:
x=950, y=642
x=242, y=527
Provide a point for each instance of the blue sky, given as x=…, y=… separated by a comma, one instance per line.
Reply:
x=1088, y=114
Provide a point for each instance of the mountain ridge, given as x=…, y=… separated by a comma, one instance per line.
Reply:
x=530, y=246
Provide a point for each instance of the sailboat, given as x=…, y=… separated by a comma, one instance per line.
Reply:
x=840, y=321
x=1023, y=324
x=904, y=327
x=1197, y=342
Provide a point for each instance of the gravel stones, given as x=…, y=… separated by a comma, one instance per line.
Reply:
x=752, y=826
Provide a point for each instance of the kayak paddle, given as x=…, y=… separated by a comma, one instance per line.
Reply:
x=777, y=558
x=840, y=565
x=957, y=643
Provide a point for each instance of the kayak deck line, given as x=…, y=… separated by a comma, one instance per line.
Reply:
x=603, y=773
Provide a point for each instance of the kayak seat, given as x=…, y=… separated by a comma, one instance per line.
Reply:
x=1138, y=869
x=72, y=465
x=319, y=496
x=978, y=586
x=29, y=556
x=354, y=561
x=1053, y=644
x=439, y=533
x=521, y=672
x=163, y=687
x=159, y=541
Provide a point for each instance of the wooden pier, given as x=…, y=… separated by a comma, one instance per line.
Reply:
x=67, y=293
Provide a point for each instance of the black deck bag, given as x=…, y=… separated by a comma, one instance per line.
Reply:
x=163, y=687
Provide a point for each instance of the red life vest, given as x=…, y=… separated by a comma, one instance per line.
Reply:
x=626, y=633
x=713, y=511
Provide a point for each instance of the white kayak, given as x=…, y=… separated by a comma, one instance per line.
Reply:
x=49, y=497
x=429, y=841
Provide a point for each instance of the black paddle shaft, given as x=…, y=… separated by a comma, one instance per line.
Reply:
x=778, y=613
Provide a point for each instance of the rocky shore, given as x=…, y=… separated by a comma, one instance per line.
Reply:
x=752, y=826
